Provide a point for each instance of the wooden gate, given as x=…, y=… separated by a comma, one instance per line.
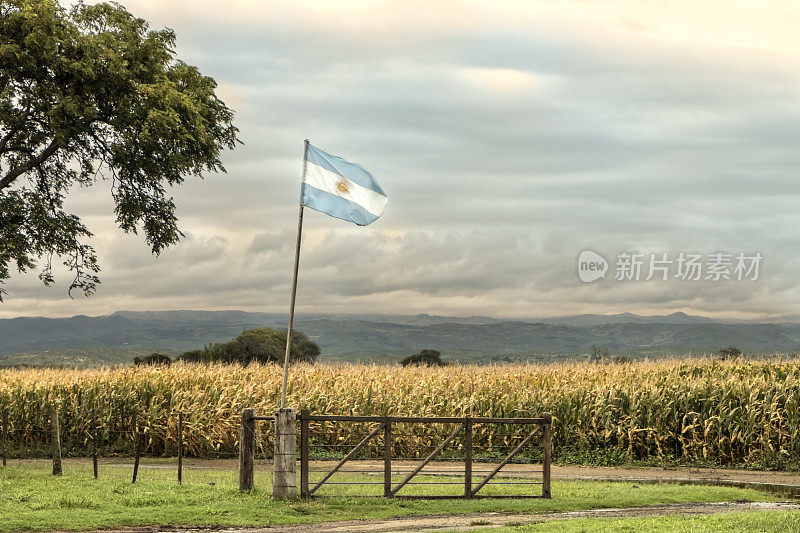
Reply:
x=380, y=438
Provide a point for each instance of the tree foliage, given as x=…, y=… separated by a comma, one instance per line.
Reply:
x=153, y=359
x=424, y=357
x=89, y=94
x=263, y=345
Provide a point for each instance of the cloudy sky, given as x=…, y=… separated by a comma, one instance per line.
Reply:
x=509, y=137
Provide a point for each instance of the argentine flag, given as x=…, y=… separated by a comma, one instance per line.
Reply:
x=340, y=188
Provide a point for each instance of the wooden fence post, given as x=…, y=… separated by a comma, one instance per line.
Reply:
x=547, y=444
x=468, y=457
x=304, y=427
x=55, y=432
x=284, y=474
x=5, y=433
x=94, y=443
x=136, y=447
x=247, y=437
x=387, y=458
x=180, y=448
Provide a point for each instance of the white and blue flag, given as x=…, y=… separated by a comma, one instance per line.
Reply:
x=340, y=188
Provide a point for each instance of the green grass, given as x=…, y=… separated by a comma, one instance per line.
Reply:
x=33, y=500
x=753, y=521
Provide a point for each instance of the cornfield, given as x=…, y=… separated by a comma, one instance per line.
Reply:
x=725, y=412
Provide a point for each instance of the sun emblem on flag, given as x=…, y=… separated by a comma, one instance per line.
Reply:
x=342, y=186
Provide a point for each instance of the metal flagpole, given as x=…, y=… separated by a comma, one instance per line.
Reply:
x=294, y=286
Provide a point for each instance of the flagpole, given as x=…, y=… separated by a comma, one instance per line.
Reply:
x=294, y=285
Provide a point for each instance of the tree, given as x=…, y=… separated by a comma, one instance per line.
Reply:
x=263, y=345
x=599, y=354
x=93, y=94
x=424, y=357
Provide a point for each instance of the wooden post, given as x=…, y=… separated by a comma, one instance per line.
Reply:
x=387, y=458
x=468, y=457
x=547, y=443
x=5, y=433
x=304, y=427
x=180, y=448
x=136, y=448
x=56, y=439
x=284, y=474
x=247, y=437
x=94, y=443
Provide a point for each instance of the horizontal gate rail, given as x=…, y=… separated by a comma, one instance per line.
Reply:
x=417, y=419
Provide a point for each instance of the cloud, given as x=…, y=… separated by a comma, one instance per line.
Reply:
x=509, y=137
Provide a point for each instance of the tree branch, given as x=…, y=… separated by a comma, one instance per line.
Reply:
x=16, y=172
x=13, y=130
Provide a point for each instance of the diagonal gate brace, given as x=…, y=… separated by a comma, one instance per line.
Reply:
x=508, y=458
x=428, y=459
x=347, y=457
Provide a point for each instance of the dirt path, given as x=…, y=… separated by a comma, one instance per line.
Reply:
x=470, y=522
x=476, y=521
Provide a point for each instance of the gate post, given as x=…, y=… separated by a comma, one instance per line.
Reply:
x=247, y=438
x=387, y=457
x=468, y=457
x=284, y=475
x=547, y=454
x=304, y=427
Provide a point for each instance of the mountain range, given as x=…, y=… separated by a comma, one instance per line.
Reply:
x=85, y=340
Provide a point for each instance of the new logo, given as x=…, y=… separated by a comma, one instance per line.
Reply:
x=591, y=266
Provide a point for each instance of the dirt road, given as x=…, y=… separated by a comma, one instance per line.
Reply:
x=476, y=521
x=470, y=522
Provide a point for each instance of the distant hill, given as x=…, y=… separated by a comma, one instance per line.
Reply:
x=627, y=318
x=83, y=340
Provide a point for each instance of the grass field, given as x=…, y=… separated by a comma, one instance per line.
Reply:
x=33, y=500
x=751, y=522
x=689, y=411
